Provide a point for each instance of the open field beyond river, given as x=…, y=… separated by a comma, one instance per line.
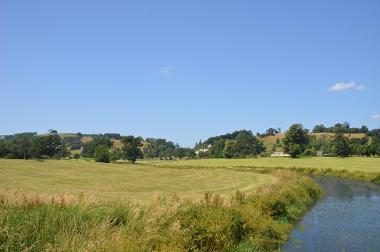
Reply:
x=352, y=164
x=133, y=182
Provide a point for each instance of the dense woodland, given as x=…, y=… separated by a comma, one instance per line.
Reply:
x=296, y=141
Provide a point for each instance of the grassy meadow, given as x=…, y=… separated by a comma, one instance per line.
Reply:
x=259, y=221
x=101, y=181
x=147, y=180
x=359, y=168
x=352, y=164
x=197, y=205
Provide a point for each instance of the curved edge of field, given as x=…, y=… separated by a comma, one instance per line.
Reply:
x=137, y=183
x=258, y=222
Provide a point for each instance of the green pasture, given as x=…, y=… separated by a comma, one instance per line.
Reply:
x=351, y=164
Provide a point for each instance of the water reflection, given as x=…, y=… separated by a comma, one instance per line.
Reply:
x=346, y=219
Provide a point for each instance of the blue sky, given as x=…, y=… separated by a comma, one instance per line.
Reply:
x=187, y=70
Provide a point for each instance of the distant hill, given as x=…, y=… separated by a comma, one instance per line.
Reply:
x=268, y=141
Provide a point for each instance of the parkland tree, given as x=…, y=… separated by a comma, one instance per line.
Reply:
x=341, y=145
x=131, y=148
x=296, y=140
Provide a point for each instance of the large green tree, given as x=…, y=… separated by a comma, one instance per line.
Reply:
x=53, y=145
x=341, y=145
x=247, y=144
x=159, y=148
x=3, y=148
x=216, y=150
x=48, y=146
x=89, y=148
x=131, y=148
x=21, y=144
x=296, y=140
x=229, y=150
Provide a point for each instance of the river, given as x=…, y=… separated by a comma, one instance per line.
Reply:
x=347, y=218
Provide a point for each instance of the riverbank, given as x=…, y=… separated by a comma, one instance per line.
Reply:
x=373, y=177
x=260, y=221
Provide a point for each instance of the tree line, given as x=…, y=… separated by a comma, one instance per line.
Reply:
x=340, y=128
x=165, y=150
x=297, y=141
x=239, y=144
x=30, y=145
x=101, y=147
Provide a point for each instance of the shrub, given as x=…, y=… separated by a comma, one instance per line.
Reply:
x=116, y=154
x=102, y=154
x=308, y=153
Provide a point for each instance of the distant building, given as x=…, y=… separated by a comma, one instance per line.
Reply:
x=2, y=136
x=202, y=150
x=279, y=154
x=319, y=153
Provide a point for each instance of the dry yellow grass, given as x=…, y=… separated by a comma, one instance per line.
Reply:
x=125, y=181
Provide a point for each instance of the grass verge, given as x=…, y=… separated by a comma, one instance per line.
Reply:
x=373, y=177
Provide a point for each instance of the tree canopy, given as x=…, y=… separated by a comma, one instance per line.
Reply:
x=102, y=154
x=89, y=148
x=296, y=140
x=341, y=145
x=131, y=148
x=340, y=128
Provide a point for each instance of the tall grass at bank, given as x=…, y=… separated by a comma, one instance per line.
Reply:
x=260, y=222
x=373, y=177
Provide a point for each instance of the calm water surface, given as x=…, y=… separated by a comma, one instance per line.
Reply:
x=346, y=219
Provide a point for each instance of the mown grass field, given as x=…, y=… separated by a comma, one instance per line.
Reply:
x=109, y=216
x=187, y=179
x=352, y=164
x=140, y=183
x=246, y=222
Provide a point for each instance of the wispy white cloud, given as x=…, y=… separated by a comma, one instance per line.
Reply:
x=376, y=117
x=342, y=86
x=166, y=69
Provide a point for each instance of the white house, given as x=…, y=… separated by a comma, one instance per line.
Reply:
x=203, y=150
x=279, y=154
